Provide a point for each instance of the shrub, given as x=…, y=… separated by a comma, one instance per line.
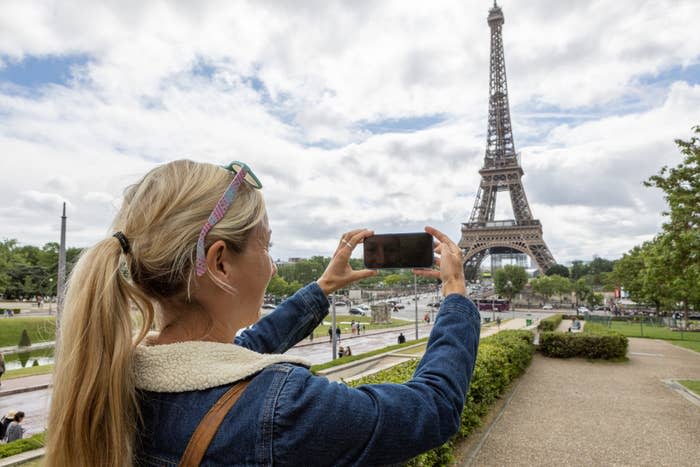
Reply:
x=24, y=340
x=501, y=358
x=595, y=342
x=550, y=323
x=22, y=445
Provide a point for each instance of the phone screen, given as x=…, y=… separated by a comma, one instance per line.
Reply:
x=401, y=250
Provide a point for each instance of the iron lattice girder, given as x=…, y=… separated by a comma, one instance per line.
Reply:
x=478, y=238
x=501, y=171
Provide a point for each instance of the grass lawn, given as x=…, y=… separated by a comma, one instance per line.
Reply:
x=343, y=322
x=653, y=332
x=693, y=385
x=39, y=328
x=29, y=371
x=344, y=360
x=692, y=345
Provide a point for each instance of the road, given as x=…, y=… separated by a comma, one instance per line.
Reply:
x=35, y=404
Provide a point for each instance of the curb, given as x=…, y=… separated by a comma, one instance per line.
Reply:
x=19, y=459
x=682, y=390
x=10, y=392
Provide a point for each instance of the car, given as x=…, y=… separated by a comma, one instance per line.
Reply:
x=434, y=304
x=547, y=307
x=357, y=311
x=340, y=304
x=583, y=309
x=363, y=307
x=268, y=306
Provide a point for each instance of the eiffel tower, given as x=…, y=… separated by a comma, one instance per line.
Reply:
x=483, y=235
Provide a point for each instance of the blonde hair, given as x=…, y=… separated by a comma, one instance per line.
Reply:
x=94, y=409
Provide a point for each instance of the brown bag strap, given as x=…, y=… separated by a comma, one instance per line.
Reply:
x=207, y=428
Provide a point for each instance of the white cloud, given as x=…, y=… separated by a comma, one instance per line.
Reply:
x=291, y=88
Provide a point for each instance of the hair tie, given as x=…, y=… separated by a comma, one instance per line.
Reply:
x=122, y=241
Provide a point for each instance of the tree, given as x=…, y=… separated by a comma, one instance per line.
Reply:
x=559, y=270
x=597, y=268
x=578, y=270
x=392, y=280
x=582, y=290
x=560, y=285
x=543, y=286
x=678, y=252
x=510, y=280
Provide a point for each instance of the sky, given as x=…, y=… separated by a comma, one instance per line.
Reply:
x=353, y=114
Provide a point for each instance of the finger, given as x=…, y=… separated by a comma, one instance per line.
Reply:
x=359, y=237
x=439, y=235
x=348, y=235
x=363, y=274
x=348, y=246
x=344, y=239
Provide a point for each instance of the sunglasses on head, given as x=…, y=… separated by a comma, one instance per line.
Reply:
x=243, y=174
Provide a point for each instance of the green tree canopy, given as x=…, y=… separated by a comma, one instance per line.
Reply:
x=558, y=269
x=510, y=280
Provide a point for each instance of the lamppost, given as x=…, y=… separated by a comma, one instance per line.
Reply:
x=334, y=336
x=51, y=293
x=415, y=300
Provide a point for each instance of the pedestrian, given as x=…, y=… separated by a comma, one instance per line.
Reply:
x=2, y=366
x=363, y=328
x=352, y=327
x=330, y=334
x=5, y=422
x=341, y=352
x=190, y=251
x=401, y=339
x=348, y=352
x=357, y=325
x=337, y=333
x=15, y=430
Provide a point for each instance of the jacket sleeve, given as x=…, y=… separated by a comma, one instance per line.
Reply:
x=292, y=321
x=384, y=423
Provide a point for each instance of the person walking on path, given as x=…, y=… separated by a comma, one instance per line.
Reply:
x=2, y=367
x=15, y=430
x=191, y=250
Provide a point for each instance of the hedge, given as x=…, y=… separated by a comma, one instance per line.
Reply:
x=501, y=358
x=22, y=445
x=550, y=323
x=594, y=342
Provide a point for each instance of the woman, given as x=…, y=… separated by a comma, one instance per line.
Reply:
x=124, y=398
x=15, y=430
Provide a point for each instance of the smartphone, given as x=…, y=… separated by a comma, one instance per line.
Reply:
x=399, y=250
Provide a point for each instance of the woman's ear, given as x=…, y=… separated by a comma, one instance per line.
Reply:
x=217, y=258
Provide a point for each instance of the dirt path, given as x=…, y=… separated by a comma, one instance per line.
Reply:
x=574, y=412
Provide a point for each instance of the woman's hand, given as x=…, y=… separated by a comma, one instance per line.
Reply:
x=449, y=263
x=338, y=274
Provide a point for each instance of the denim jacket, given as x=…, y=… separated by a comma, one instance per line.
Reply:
x=288, y=416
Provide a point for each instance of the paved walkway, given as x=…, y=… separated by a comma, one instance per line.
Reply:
x=576, y=412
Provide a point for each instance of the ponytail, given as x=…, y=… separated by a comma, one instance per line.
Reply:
x=94, y=412
x=95, y=425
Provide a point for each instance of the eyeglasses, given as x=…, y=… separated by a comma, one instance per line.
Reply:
x=243, y=175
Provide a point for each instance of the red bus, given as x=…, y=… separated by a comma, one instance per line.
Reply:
x=492, y=305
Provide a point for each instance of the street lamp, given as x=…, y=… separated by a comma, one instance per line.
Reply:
x=415, y=300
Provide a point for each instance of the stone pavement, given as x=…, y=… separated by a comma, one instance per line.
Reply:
x=24, y=384
x=576, y=412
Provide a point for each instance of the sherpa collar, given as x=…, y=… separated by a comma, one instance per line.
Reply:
x=197, y=365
